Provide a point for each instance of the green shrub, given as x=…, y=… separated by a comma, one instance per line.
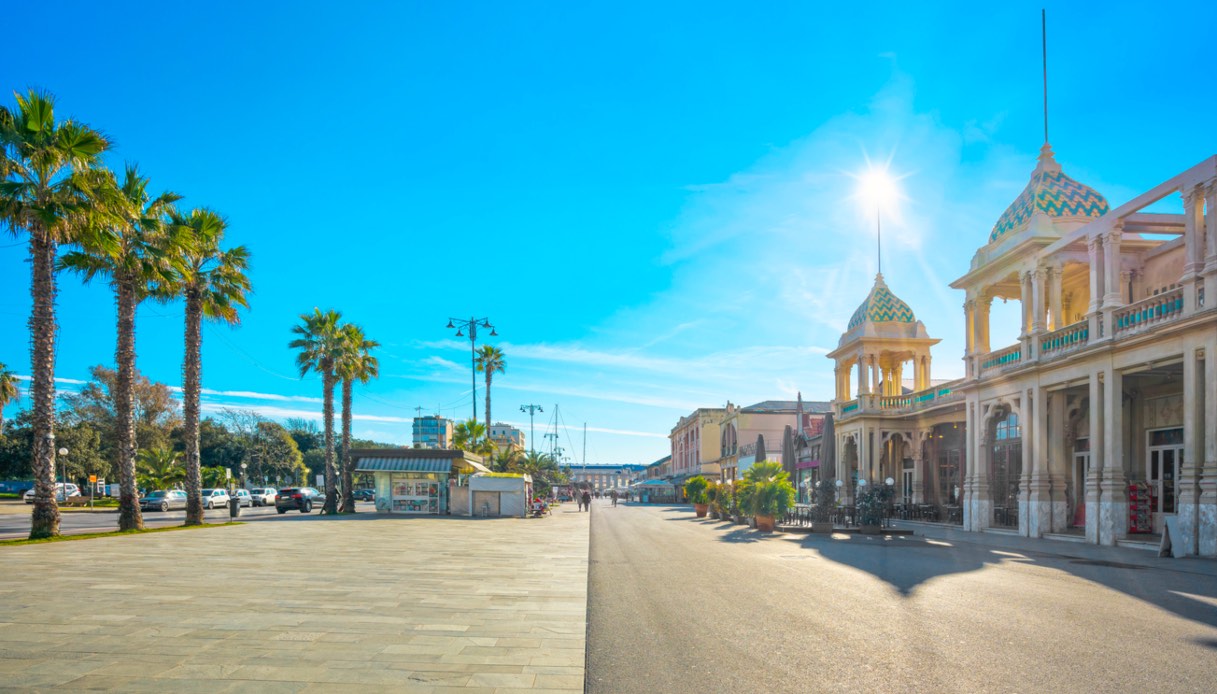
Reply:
x=872, y=504
x=695, y=489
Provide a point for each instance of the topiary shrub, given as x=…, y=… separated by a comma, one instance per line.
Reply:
x=695, y=489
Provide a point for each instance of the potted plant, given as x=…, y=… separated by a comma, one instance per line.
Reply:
x=825, y=502
x=872, y=507
x=712, y=492
x=695, y=492
x=770, y=493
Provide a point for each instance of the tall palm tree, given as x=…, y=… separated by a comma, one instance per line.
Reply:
x=140, y=255
x=44, y=192
x=320, y=344
x=8, y=391
x=489, y=361
x=355, y=363
x=214, y=285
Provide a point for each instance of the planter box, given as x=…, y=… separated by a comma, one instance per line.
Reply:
x=701, y=510
x=765, y=523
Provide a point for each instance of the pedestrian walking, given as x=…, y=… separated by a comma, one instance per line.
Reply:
x=587, y=501
x=613, y=495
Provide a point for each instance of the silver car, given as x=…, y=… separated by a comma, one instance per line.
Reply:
x=215, y=498
x=264, y=496
x=163, y=500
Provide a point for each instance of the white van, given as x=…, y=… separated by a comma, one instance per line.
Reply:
x=73, y=490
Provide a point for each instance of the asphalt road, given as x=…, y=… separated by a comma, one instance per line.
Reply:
x=15, y=518
x=677, y=604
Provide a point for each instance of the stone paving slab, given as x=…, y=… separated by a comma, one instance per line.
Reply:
x=303, y=604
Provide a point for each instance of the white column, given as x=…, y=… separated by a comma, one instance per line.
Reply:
x=1054, y=299
x=1113, y=502
x=1187, y=489
x=874, y=373
x=1094, y=246
x=1193, y=227
x=1038, y=306
x=861, y=375
x=1208, y=475
x=1060, y=461
x=1025, y=300
x=1096, y=458
x=982, y=324
x=1111, y=268
x=1210, y=245
x=1039, y=487
x=969, y=313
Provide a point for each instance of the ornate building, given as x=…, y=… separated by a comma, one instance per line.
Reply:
x=1101, y=421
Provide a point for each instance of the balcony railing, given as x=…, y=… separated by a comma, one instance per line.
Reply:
x=1002, y=358
x=1067, y=339
x=1147, y=313
x=909, y=402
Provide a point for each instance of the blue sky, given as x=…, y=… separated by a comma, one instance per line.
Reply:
x=654, y=205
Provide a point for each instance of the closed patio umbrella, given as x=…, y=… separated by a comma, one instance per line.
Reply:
x=760, y=448
x=788, y=458
x=828, y=450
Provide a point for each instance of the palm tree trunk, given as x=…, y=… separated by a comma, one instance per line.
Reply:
x=45, y=519
x=489, y=374
x=192, y=376
x=348, y=476
x=129, y=516
x=331, y=475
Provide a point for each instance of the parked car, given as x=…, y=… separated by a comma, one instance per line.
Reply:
x=264, y=496
x=243, y=496
x=365, y=495
x=215, y=498
x=297, y=499
x=73, y=490
x=163, y=500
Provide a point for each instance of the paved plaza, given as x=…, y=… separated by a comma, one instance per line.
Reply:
x=303, y=604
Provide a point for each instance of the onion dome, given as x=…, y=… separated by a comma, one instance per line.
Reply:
x=881, y=306
x=1052, y=192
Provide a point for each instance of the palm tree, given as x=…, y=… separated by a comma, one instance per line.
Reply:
x=470, y=435
x=355, y=363
x=489, y=361
x=159, y=468
x=320, y=344
x=8, y=391
x=214, y=285
x=139, y=253
x=44, y=191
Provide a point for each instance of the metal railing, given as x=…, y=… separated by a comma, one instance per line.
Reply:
x=909, y=402
x=1149, y=312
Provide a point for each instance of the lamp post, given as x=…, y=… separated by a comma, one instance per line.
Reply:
x=243, y=467
x=64, y=453
x=532, y=431
x=472, y=326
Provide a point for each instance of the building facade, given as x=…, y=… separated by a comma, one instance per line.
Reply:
x=433, y=432
x=1100, y=422
x=696, y=444
x=742, y=426
x=507, y=438
x=604, y=478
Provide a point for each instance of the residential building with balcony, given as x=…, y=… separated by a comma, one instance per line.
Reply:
x=433, y=432
x=696, y=444
x=742, y=426
x=506, y=437
x=1100, y=423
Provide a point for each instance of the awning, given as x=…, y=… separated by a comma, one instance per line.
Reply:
x=443, y=465
x=478, y=466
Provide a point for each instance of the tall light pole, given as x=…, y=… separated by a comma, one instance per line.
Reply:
x=472, y=326
x=63, y=452
x=532, y=430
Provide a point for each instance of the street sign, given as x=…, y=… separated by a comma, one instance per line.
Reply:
x=92, y=479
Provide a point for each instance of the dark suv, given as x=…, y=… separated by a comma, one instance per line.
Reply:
x=297, y=498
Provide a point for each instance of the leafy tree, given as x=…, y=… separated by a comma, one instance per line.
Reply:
x=542, y=467
x=319, y=345
x=489, y=361
x=136, y=253
x=213, y=476
x=355, y=363
x=305, y=432
x=274, y=454
x=8, y=392
x=217, y=445
x=159, y=468
x=155, y=411
x=82, y=440
x=46, y=183
x=214, y=285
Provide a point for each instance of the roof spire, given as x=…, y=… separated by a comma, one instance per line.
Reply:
x=1044, y=45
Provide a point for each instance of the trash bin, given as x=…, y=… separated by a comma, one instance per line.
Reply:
x=234, y=507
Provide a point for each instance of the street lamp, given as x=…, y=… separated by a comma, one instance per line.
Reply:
x=532, y=431
x=243, y=466
x=472, y=326
x=64, y=453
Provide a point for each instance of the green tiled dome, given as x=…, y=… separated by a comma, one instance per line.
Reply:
x=1053, y=193
x=881, y=306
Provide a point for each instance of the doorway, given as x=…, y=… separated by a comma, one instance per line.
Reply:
x=1163, y=459
x=1081, y=469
